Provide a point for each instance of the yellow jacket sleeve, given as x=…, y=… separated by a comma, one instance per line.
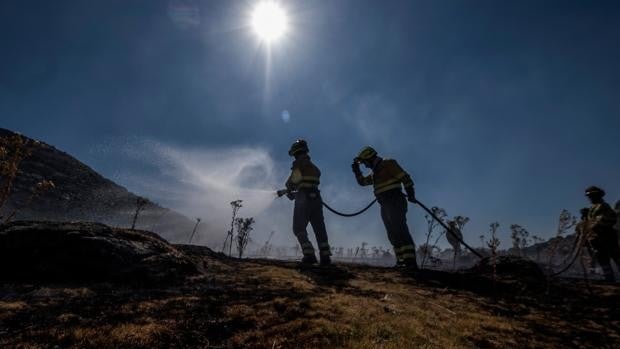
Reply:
x=400, y=174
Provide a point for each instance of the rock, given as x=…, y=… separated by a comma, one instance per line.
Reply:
x=78, y=252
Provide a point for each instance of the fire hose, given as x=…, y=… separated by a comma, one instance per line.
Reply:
x=449, y=230
x=350, y=214
x=282, y=192
x=580, y=241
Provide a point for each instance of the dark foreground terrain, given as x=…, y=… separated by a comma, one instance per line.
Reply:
x=217, y=302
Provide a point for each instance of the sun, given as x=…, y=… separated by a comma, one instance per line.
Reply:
x=269, y=21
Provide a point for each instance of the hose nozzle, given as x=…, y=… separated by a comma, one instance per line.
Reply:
x=282, y=192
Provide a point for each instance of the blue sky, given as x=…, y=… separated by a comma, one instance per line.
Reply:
x=501, y=111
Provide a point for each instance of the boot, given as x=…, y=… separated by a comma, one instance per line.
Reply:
x=609, y=273
x=409, y=265
x=326, y=260
x=309, y=259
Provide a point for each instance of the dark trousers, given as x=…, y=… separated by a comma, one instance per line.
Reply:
x=394, y=215
x=605, y=245
x=309, y=209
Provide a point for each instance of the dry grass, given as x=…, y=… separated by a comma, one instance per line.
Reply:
x=262, y=304
x=12, y=306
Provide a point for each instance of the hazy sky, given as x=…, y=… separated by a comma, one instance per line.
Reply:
x=500, y=110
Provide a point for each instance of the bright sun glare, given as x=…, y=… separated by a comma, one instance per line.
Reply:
x=269, y=21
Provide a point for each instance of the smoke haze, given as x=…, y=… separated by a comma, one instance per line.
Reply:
x=201, y=183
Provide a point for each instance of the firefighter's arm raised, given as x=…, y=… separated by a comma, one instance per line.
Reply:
x=361, y=179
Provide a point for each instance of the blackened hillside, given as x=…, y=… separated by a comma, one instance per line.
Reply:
x=82, y=194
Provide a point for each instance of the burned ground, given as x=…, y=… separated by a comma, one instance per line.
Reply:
x=273, y=304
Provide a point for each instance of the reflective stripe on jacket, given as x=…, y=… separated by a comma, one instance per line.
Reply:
x=386, y=175
x=601, y=216
x=304, y=175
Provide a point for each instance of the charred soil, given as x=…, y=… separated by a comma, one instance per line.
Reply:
x=231, y=303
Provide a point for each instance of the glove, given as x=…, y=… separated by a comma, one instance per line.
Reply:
x=290, y=196
x=355, y=166
x=411, y=195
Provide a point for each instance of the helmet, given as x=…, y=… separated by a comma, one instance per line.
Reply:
x=595, y=191
x=299, y=146
x=366, y=153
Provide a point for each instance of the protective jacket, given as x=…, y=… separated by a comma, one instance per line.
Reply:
x=305, y=179
x=601, y=217
x=387, y=178
x=604, y=241
x=386, y=175
x=304, y=175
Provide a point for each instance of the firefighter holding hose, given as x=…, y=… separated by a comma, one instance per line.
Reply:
x=601, y=220
x=303, y=187
x=388, y=178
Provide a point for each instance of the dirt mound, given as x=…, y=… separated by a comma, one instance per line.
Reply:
x=77, y=252
x=511, y=268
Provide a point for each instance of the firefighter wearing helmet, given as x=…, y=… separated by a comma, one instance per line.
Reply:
x=387, y=178
x=304, y=183
x=601, y=219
